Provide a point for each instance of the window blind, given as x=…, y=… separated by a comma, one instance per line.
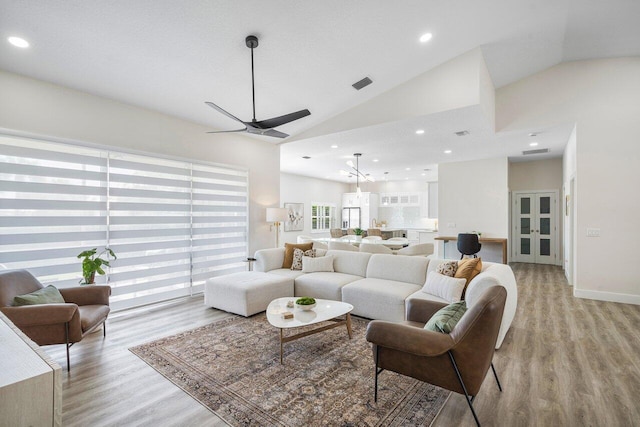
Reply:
x=172, y=223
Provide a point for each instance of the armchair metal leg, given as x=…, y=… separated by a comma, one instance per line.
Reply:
x=66, y=337
x=464, y=388
x=496, y=376
x=104, y=329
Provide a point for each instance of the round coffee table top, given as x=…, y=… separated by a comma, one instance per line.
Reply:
x=325, y=309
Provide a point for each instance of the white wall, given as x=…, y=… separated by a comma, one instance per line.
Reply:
x=39, y=108
x=601, y=97
x=474, y=196
x=302, y=189
x=569, y=183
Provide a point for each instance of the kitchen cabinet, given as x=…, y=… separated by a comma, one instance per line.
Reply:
x=368, y=204
x=426, y=236
x=401, y=199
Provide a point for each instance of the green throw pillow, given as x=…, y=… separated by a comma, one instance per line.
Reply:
x=48, y=295
x=446, y=318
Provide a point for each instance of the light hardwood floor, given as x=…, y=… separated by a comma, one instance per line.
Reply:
x=565, y=361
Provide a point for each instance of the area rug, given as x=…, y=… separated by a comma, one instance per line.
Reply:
x=233, y=368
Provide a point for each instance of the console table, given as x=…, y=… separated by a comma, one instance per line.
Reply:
x=499, y=240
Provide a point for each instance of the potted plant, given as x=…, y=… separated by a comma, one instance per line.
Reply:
x=92, y=264
x=358, y=232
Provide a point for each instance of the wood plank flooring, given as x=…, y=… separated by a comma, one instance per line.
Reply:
x=566, y=361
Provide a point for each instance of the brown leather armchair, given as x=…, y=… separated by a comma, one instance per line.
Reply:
x=458, y=361
x=85, y=308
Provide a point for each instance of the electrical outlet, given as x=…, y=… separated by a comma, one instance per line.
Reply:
x=593, y=232
x=451, y=225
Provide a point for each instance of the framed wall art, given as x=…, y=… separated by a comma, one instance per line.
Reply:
x=295, y=217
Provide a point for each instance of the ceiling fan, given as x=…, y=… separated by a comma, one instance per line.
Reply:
x=262, y=127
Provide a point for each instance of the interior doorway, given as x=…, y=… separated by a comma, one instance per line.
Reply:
x=535, y=231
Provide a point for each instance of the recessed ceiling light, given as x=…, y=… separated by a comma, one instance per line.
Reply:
x=419, y=131
x=406, y=177
x=334, y=146
x=533, y=144
x=407, y=169
x=447, y=151
x=306, y=157
x=376, y=160
x=425, y=37
x=18, y=42
x=423, y=174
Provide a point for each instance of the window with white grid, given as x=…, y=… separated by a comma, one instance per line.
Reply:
x=171, y=223
x=322, y=216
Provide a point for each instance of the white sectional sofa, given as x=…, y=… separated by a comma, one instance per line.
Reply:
x=379, y=286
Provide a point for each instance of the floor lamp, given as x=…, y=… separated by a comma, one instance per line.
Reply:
x=276, y=216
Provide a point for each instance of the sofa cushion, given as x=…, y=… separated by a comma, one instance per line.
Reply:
x=288, y=252
x=448, y=268
x=400, y=268
x=48, y=295
x=323, y=285
x=468, y=268
x=349, y=262
x=313, y=264
x=297, y=257
x=445, y=287
x=445, y=319
x=378, y=298
x=286, y=272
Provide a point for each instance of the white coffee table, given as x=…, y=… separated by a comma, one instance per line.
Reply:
x=325, y=310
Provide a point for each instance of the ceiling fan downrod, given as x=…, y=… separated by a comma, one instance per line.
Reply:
x=252, y=43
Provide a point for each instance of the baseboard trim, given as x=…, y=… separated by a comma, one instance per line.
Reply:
x=607, y=296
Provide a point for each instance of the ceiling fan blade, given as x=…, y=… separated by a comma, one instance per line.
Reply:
x=279, y=121
x=228, y=131
x=268, y=132
x=226, y=113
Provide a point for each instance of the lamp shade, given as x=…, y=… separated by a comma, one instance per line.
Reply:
x=277, y=214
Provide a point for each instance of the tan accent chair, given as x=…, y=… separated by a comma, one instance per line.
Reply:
x=336, y=232
x=458, y=361
x=421, y=249
x=374, y=232
x=85, y=309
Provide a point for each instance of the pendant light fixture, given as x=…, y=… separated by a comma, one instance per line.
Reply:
x=356, y=172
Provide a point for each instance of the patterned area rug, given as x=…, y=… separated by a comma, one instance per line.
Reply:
x=233, y=368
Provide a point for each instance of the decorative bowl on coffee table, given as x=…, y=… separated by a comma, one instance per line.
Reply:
x=305, y=303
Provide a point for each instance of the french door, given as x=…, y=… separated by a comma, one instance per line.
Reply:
x=535, y=234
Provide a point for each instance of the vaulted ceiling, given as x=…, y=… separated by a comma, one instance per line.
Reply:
x=173, y=56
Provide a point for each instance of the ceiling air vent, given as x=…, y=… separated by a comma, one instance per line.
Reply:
x=539, y=151
x=362, y=83
x=462, y=133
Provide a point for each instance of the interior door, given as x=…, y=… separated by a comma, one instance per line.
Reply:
x=534, y=227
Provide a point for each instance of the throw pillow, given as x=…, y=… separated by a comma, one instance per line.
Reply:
x=443, y=286
x=314, y=265
x=288, y=252
x=297, y=257
x=48, y=295
x=448, y=268
x=445, y=319
x=468, y=268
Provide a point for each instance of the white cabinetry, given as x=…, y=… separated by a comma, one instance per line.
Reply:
x=368, y=204
x=401, y=199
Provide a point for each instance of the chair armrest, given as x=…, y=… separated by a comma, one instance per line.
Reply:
x=41, y=314
x=87, y=295
x=421, y=310
x=408, y=339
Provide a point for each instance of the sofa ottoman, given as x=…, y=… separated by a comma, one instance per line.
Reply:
x=246, y=293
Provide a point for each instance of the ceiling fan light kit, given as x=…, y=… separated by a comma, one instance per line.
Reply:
x=262, y=127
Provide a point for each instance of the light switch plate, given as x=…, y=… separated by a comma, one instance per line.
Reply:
x=593, y=232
